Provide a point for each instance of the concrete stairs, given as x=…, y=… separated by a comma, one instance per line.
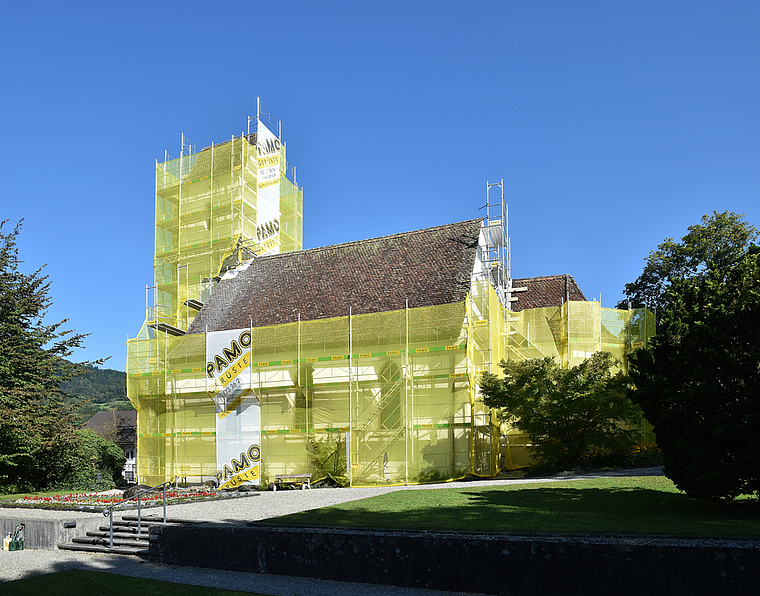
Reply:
x=127, y=540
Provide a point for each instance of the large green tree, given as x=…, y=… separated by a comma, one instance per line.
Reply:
x=698, y=382
x=89, y=457
x=716, y=244
x=35, y=420
x=565, y=412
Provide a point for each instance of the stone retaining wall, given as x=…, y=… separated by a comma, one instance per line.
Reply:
x=49, y=533
x=490, y=563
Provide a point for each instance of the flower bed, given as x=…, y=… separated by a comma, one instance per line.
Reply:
x=89, y=501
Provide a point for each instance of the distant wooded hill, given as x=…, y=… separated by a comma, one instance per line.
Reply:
x=105, y=388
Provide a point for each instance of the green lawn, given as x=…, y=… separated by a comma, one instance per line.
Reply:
x=77, y=582
x=15, y=496
x=629, y=505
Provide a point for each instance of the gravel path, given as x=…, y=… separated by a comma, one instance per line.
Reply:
x=257, y=506
x=267, y=504
x=20, y=564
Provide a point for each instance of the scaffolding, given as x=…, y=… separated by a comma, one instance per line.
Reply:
x=399, y=388
x=213, y=213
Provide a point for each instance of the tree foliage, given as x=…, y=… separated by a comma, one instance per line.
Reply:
x=90, y=461
x=716, y=244
x=565, y=412
x=35, y=418
x=698, y=382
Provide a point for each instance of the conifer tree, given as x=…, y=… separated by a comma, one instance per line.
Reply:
x=698, y=382
x=36, y=431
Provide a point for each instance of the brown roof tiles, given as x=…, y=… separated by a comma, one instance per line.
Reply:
x=548, y=290
x=426, y=267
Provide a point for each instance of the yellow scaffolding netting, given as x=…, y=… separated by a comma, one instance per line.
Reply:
x=571, y=333
x=398, y=388
x=209, y=213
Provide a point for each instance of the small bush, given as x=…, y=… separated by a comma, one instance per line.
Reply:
x=645, y=455
x=637, y=456
x=432, y=475
x=328, y=456
x=604, y=458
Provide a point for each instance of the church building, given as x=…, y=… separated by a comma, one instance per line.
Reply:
x=360, y=359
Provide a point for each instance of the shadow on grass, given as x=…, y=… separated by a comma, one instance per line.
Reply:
x=554, y=510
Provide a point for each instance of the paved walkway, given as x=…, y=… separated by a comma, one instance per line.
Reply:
x=257, y=506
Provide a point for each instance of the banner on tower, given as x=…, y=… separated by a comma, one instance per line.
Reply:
x=238, y=410
x=268, y=191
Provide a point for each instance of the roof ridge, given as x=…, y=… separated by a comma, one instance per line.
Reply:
x=374, y=239
x=546, y=276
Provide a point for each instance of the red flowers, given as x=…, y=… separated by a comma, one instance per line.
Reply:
x=96, y=499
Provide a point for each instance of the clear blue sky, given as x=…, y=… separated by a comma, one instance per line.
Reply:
x=614, y=126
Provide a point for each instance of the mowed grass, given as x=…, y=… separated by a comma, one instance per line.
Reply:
x=15, y=496
x=78, y=582
x=649, y=505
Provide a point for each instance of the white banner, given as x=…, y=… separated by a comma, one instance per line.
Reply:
x=238, y=410
x=268, y=191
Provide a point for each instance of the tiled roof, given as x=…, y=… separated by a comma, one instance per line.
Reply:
x=426, y=267
x=549, y=290
x=122, y=419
